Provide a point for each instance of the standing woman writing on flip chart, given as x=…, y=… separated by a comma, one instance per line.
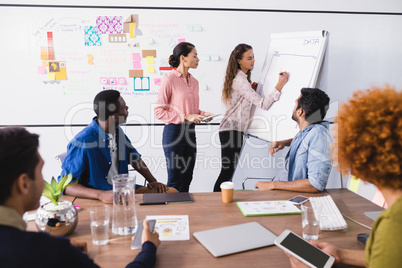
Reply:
x=177, y=106
x=238, y=95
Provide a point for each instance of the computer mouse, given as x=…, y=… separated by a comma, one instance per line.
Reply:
x=362, y=238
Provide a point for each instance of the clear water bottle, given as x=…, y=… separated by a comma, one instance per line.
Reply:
x=124, y=213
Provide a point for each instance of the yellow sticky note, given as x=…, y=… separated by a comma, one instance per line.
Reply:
x=51, y=76
x=150, y=69
x=90, y=62
x=150, y=60
x=354, y=184
x=44, y=63
x=132, y=30
x=90, y=57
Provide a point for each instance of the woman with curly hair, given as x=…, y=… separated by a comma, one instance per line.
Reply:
x=368, y=144
x=238, y=94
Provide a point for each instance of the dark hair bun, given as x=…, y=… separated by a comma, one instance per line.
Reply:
x=173, y=61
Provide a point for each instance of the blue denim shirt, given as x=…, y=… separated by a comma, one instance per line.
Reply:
x=309, y=155
x=88, y=156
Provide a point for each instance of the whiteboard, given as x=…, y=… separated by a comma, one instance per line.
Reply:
x=363, y=50
x=300, y=54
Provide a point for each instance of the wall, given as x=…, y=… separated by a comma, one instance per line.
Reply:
x=363, y=50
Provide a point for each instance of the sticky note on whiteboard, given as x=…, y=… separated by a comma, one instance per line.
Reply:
x=136, y=56
x=203, y=86
x=136, y=64
x=121, y=81
x=197, y=27
x=150, y=69
x=51, y=76
x=214, y=57
x=205, y=57
x=157, y=81
x=354, y=184
x=41, y=69
x=150, y=60
x=104, y=80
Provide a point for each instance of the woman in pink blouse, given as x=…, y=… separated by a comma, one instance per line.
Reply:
x=177, y=106
x=238, y=95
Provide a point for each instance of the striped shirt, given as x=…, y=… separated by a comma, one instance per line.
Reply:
x=238, y=107
x=176, y=98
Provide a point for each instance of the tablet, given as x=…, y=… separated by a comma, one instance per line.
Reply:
x=210, y=117
x=303, y=250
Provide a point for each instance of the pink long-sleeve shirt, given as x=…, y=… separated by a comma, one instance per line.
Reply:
x=176, y=98
x=238, y=107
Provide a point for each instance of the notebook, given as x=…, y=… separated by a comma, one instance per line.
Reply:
x=166, y=198
x=236, y=238
x=265, y=208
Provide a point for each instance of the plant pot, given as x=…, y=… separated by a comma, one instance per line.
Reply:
x=57, y=220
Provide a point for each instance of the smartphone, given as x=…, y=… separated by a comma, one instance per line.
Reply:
x=303, y=250
x=298, y=200
x=138, y=234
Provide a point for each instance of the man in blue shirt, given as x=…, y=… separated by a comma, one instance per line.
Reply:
x=308, y=162
x=21, y=186
x=102, y=150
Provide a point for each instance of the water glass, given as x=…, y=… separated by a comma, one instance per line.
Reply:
x=310, y=221
x=99, y=220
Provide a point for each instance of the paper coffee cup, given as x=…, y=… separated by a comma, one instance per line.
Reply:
x=227, y=189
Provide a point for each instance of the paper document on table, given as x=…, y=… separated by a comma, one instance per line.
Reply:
x=261, y=208
x=171, y=227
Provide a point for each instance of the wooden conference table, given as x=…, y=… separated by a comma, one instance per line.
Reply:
x=209, y=212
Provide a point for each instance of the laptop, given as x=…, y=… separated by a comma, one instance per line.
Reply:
x=236, y=238
x=373, y=214
x=166, y=198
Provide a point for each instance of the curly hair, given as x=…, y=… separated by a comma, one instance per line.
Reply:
x=368, y=137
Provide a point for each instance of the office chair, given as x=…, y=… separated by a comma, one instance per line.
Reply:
x=60, y=157
x=253, y=178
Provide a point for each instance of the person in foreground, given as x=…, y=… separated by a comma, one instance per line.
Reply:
x=238, y=95
x=102, y=150
x=368, y=144
x=308, y=162
x=21, y=186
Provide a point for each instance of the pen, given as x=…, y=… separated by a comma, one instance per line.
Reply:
x=281, y=73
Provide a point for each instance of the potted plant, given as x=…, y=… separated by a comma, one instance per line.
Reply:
x=57, y=217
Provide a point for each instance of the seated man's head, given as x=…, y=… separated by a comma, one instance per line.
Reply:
x=311, y=106
x=109, y=105
x=21, y=181
x=368, y=137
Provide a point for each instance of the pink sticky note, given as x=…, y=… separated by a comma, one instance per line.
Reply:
x=112, y=81
x=157, y=81
x=181, y=40
x=136, y=56
x=136, y=64
x=104, y=80
x=121, y=80
x=379, y=199
x=41, y=69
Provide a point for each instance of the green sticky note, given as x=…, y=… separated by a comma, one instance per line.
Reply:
x=354, y=184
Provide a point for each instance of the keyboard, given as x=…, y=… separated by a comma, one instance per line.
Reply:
x=331, y=218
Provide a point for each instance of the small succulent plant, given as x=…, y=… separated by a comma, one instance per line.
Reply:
x=54, y=189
